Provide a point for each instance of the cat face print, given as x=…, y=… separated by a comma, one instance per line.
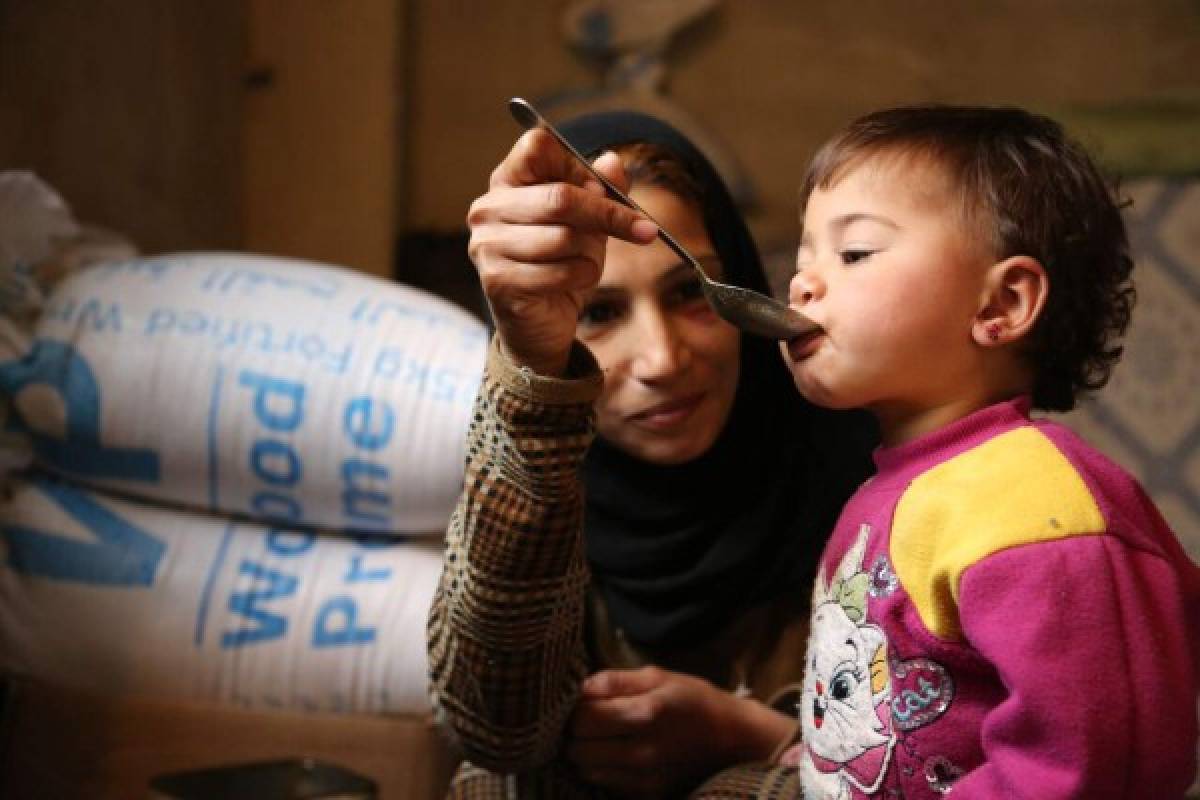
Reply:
x=845, y=705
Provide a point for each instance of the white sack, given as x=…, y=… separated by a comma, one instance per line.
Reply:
x=275, y=388
x=41, y=243
x=111, y=595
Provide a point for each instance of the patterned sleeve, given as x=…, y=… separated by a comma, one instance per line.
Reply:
x=505, y=632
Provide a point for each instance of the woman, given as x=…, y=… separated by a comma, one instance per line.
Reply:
x=681, y=586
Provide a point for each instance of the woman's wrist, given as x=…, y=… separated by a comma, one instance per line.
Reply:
x=580, y=383
x=554, y=366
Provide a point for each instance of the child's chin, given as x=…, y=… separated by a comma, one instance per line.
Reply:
x=820, y=395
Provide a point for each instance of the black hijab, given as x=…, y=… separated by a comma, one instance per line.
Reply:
x=679, y=551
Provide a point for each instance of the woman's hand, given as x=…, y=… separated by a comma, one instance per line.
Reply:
x=537, y=239
x=649, y=732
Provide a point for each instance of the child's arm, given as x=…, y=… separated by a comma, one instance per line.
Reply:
x=1092, y=638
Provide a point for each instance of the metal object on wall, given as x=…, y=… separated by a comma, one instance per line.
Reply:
x=630, y=41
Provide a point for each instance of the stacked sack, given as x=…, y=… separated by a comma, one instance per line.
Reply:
x=241, y=468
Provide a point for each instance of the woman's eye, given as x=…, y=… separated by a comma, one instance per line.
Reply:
x=853, y=256
x=598, y=314
x=690, y=290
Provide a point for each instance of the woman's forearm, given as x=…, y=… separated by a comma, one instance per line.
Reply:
x=506, y=625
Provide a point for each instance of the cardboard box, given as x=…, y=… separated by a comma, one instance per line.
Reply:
x=60, y=743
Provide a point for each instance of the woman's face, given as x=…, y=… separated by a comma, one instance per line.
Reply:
x=670, y=364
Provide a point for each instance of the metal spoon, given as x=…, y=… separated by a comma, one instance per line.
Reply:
x=746, y=309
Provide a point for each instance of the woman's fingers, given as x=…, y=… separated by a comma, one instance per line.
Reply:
x=647, y=730
x=614, y=716
x=541, y=243
x=537, y=157
x=621, y=682
x=538, y=238
x=617, y=702
x=518, y=276
x=564, y=192
x=579, y=208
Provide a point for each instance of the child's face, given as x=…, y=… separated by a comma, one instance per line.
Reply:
x=887, y=269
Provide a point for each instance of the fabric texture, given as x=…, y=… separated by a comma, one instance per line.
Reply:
x=1001, y=612
x=506, y=629
x=505, y=633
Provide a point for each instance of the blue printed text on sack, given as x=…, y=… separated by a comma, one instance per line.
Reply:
x=368, y=426
x=224, y=333
x=265, y=588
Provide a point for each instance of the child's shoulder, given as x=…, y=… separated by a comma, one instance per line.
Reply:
x=1015, y=489
x=1020, y=479
x=1036, y=482
x=1106, y=476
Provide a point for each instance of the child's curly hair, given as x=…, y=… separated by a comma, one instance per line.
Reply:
x=1031, y=190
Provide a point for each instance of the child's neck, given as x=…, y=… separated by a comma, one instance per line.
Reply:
x=899, y=425
x=999, y=375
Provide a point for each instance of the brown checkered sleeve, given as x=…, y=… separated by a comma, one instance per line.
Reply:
x=505, y=631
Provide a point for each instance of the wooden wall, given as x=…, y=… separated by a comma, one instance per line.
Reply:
x=262, y=125
x=772, y=78
x=130, y=109
x=319, y=130
x=325, y=129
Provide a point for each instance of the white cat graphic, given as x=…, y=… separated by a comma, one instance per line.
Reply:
x=844, y=710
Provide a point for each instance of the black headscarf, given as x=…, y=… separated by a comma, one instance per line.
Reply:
x=679, y=551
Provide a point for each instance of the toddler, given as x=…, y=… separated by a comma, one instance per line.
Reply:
x=1001, y=611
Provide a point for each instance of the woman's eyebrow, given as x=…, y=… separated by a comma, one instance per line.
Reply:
x=711, y=264
x=603, y=292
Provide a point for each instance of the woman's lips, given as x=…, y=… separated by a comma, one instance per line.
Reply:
x=669, y=414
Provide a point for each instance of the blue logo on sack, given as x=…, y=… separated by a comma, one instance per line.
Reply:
x=121, y=555
x=60, y=367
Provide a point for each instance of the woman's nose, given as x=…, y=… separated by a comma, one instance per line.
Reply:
x=660, y=350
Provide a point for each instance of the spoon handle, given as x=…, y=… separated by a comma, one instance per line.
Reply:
x=528, y=117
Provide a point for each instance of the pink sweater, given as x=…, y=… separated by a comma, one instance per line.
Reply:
x=1003, y=611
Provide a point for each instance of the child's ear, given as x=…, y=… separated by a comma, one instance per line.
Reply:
x=1014, y=295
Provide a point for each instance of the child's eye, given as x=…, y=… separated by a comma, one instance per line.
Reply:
x=853, y=256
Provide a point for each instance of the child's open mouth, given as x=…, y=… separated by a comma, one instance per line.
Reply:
x=805, y=345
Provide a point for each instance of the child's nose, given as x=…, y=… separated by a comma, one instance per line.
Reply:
x=805, y=287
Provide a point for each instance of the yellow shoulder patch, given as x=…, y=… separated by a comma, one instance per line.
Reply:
x=1012, y=490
